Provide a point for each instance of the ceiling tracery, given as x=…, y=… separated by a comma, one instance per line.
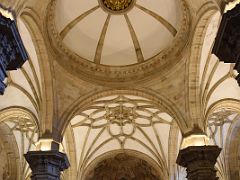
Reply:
x=120, y=122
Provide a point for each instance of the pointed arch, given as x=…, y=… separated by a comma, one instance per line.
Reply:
x=193, y=98
x=30, y=18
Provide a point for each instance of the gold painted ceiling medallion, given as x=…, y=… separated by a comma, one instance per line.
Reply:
x=117, y=6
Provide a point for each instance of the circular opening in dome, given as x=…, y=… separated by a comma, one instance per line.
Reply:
x=117, y=6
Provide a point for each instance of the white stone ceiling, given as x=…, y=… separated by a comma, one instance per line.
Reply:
x=117, y=40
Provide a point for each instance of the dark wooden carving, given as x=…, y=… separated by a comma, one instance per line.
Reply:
x=227, y=42
x=12, y=51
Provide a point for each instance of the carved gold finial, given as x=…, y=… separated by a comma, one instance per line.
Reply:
x=117, y=6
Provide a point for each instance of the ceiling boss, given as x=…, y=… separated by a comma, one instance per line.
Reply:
x=116, y=6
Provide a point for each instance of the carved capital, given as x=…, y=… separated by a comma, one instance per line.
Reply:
x=199, y=161
x=47, y=164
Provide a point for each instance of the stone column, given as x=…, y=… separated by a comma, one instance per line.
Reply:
x=46, y=165
x=199, y=161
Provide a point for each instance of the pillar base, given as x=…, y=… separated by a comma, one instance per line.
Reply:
x=46, y=165
x=199, y=161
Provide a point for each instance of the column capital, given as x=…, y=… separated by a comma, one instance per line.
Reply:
x=46, y=165
x=199, y=161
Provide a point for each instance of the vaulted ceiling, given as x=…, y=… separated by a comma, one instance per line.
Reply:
x=114, y=37
x=129, y=77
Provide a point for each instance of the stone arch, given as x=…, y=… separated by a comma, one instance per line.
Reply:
x=19, y=122
x=229, y=122
x=205, y=13
x=30, y=19
x=133, y=101
x=233, y=144
x=17, y=110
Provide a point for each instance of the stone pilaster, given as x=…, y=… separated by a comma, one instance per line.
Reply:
x=46, y=165
x=199, y=161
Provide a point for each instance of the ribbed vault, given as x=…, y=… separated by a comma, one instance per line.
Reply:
x=121, y=122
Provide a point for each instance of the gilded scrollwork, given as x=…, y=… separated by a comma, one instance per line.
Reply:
x=117, y=5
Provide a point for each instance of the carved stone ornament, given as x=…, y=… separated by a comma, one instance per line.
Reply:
x=123, y=167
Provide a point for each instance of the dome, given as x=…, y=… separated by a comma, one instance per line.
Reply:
x=133, y=34
x=112, y=36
